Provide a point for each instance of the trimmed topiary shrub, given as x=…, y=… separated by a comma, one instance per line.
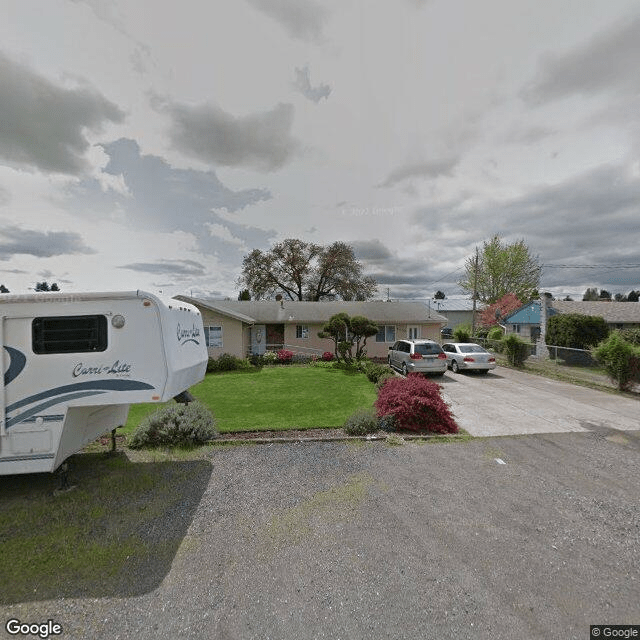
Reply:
x=175, y=425
x=361, y=423
x=416, y=405
x=516, y=348
x=327, y=356
x=621, y=360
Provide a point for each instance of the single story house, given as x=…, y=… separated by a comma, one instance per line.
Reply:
x=457, y=311
x=243, y=327
x=526, y=321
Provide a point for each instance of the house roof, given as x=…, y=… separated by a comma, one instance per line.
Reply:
x=612, y=312
x=271, y=311
x=455, y=305
x=526, y=314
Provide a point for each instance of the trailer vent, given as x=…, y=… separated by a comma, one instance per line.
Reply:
x=69, y=334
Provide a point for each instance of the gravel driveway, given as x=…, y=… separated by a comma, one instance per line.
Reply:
x=522, y=537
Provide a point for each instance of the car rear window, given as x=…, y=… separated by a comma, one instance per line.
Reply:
x=427, y=349
x=471, y=348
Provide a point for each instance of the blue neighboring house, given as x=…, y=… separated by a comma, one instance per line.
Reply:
x=525, y=321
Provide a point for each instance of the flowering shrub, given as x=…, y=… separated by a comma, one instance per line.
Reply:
x=270, y=357
x=327, y=356
x=416, y=405
x=285, y=356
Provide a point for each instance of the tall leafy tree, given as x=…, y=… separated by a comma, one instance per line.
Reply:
x=502, y=268
x=306, y=271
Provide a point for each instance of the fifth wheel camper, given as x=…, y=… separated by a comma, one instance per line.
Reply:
x=73, y=363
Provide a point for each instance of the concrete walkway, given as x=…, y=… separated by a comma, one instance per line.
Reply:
x=509, y=402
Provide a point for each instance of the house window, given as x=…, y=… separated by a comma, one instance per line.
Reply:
x=414, y=333
x=302, y=332
x=213, y=337
x=69, y=334
x=516, y=328
x=386, y=333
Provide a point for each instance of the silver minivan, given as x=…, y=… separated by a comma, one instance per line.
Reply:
x=421, y=356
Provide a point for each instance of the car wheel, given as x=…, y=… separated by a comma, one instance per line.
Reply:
x=404, y=369
x=454, y=367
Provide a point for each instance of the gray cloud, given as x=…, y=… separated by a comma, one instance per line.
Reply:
x=44, y=125
x=5, y=197
x=261, y=141
x=42, y=244
x=301, y=19
x=371, y=250
x=429, y=169
x=303, y=84
x=564, y=224
x=176, y=268
x=163, y=198
x=609, y=61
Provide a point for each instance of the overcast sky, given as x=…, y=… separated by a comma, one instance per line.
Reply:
x=152, y=144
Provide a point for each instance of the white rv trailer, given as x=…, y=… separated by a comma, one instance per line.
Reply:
x=73, y=363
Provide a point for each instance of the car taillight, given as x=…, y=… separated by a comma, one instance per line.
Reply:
x=442, y=356
x=469, y=359
x=416, y=356
x=492, y=359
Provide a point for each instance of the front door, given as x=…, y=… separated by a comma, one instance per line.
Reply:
x=258, y=339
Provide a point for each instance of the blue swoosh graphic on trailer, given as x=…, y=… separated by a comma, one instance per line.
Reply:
x=23, y=417
x=17, y=360
x=91, y=385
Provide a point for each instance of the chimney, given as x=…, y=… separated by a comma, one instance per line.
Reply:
x=541, y=344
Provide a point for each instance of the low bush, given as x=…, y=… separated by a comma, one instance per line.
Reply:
x=301, y=358
x=416, y=405
x=631, y=335
x=228, y=362
x=285, y=356
x=620, y=359
x=388, y=375
x=327, y=356
x=270, y=357
x=374, y=371
x=361, y=423
x=517, y=350
x=175, y=425
x=495, y=333
x=462, y=334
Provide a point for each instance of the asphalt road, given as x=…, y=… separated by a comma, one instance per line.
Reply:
x=509, y=402
x=529, y=537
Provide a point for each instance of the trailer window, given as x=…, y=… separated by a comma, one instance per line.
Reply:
x=69, y=334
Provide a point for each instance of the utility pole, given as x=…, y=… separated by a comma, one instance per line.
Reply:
x=475, y=295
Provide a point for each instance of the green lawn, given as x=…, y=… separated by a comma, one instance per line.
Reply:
x=277, y=398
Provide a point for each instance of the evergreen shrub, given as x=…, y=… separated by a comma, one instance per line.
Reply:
x=175, y=425
x=361, y=423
